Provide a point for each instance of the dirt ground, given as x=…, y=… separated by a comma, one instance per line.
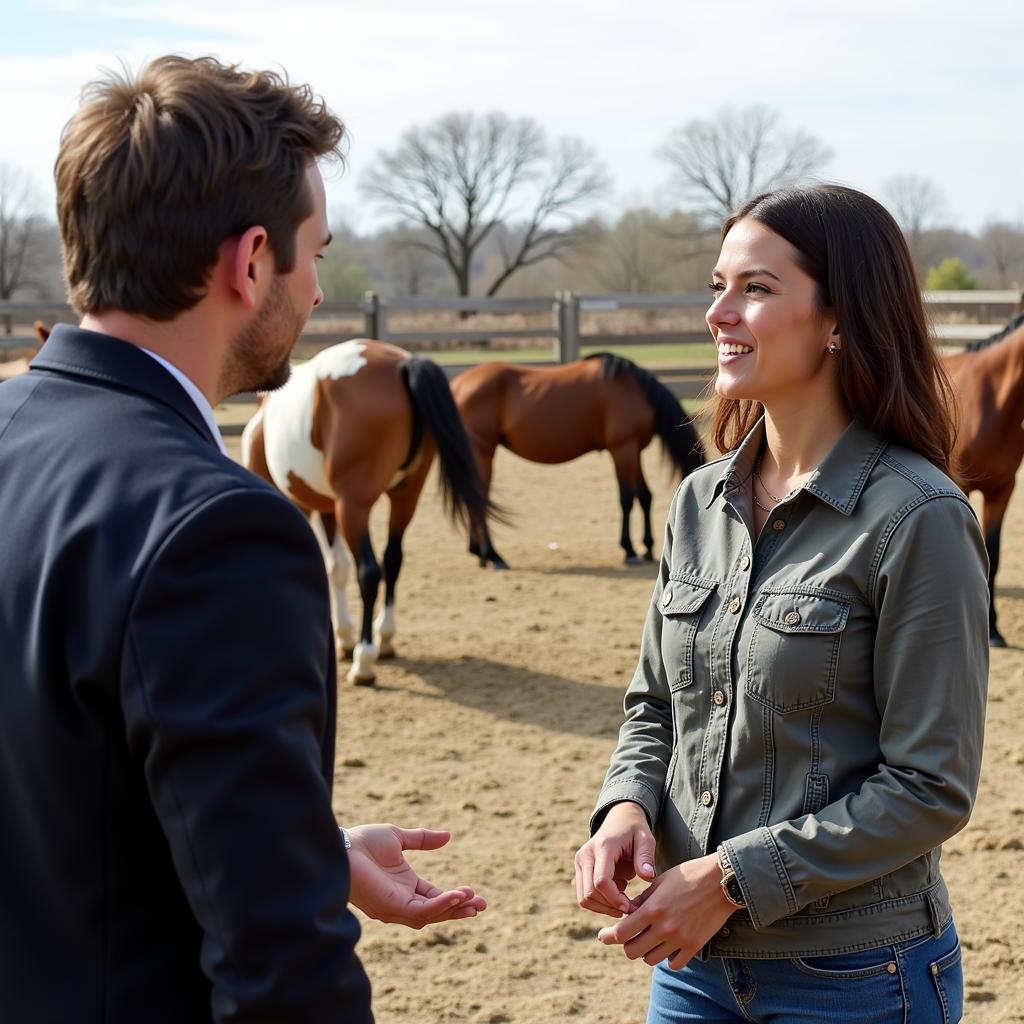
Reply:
x=497, y=720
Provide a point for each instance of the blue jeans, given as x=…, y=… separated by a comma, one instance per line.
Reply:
x=919, y=981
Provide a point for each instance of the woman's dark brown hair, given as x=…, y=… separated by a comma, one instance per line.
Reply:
x=155, y=172
x=890, y=375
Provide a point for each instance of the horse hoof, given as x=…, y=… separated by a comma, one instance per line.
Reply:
x=648, y=556
x=361, y=680
x=387, y=649
x=347, y=652
x=634, y=560
x=996, y=640
x=500, y=565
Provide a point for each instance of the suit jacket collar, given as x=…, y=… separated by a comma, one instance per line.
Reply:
x=72, y=351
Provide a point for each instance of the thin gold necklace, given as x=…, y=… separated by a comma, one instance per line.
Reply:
x=757, y=473
x=775, y=498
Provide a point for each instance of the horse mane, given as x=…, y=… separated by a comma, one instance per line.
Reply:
x=1012, y=326
x=678, y=437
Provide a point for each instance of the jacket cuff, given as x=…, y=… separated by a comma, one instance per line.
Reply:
x=762, y=877
x=636, y=790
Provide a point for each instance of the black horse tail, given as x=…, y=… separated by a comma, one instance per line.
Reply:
x=679, y=439
x=462, y=489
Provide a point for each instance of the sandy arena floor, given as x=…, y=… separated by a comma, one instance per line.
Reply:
x=497, y=719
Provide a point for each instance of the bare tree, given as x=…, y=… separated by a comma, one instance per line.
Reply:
x=410, y=268
x=19, y=228
x=464, y=176
x=919, y=207
x=721, y=162
x=1004, y=245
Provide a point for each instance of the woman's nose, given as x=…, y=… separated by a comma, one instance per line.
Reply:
x=722, y=312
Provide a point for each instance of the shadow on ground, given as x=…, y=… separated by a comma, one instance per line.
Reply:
x=551, y=702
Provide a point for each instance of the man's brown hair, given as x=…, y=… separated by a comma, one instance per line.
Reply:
x=155, y=171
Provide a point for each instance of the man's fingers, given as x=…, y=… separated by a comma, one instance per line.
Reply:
x=421, y=838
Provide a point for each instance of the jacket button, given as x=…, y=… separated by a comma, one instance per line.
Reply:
x=706, y=798
x=779, y=525
x=734, y=605
x=745, y=563
x=667, y=596
x=792, y=618
x=718, y=697
x=724, y=932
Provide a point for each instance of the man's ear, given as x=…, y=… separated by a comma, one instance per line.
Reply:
x=250, y=266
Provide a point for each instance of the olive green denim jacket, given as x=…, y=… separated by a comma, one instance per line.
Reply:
x=815, y=700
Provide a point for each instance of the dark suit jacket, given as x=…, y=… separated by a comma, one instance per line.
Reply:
x=167, y=714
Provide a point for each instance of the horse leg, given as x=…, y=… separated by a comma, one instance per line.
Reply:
x=627, y=459
x=404, y=498
x=480, y=541
x=336, y=558
x=993, y=510
x=644, y=496
x=355, y=525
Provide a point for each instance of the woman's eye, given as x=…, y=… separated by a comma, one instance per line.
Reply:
x=716, y=286
x=757, y=289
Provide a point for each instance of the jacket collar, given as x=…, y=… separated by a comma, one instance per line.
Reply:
x=838, y=480
x=76, y=352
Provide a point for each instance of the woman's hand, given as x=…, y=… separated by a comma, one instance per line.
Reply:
x=620, y=850
x=675, y=915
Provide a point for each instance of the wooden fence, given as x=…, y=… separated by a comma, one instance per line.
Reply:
x=560, y=321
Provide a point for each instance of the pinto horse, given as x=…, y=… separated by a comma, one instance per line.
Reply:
x=357, y=420
x=988, y=378
x=555, y=414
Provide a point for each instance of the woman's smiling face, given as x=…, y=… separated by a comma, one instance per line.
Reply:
x=766, y=319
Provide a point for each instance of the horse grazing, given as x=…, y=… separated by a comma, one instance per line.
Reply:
x=554, y=414
x=357, y=420
x=988, y=378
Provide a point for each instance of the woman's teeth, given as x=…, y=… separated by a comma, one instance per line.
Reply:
x=734, y=350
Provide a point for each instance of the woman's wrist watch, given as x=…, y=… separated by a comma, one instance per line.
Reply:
x=730, y=886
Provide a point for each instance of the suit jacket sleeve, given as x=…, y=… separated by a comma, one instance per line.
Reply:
x=227, y=681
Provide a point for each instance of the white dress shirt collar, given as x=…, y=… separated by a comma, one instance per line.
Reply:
x=204, y=407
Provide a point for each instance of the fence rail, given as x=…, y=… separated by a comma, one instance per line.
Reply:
x=956, y=317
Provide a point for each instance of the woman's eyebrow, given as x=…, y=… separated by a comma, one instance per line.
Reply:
x=753, y=272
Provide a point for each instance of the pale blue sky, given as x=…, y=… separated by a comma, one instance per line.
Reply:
x=891, y=89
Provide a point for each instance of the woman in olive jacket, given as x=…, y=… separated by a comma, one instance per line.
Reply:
x=804, y=728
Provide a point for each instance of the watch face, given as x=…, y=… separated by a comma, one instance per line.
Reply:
x=732, y=889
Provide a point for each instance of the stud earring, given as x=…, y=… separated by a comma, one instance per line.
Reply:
x=833, y=349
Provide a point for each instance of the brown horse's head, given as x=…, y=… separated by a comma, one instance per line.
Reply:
x=42, y=333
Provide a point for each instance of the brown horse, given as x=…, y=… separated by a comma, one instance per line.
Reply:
x=16, y=367
x=554, y=414
x=356, y=421
x=988, y=377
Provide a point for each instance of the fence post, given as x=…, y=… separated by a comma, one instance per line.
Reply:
x=567, y=345
x=371, y=315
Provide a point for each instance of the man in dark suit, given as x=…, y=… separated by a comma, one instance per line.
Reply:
x=167, y=684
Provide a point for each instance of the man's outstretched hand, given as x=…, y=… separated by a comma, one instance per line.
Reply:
x=387, y=889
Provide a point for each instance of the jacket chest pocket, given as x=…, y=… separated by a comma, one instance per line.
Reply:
x=681, y=604
x=794, y=649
